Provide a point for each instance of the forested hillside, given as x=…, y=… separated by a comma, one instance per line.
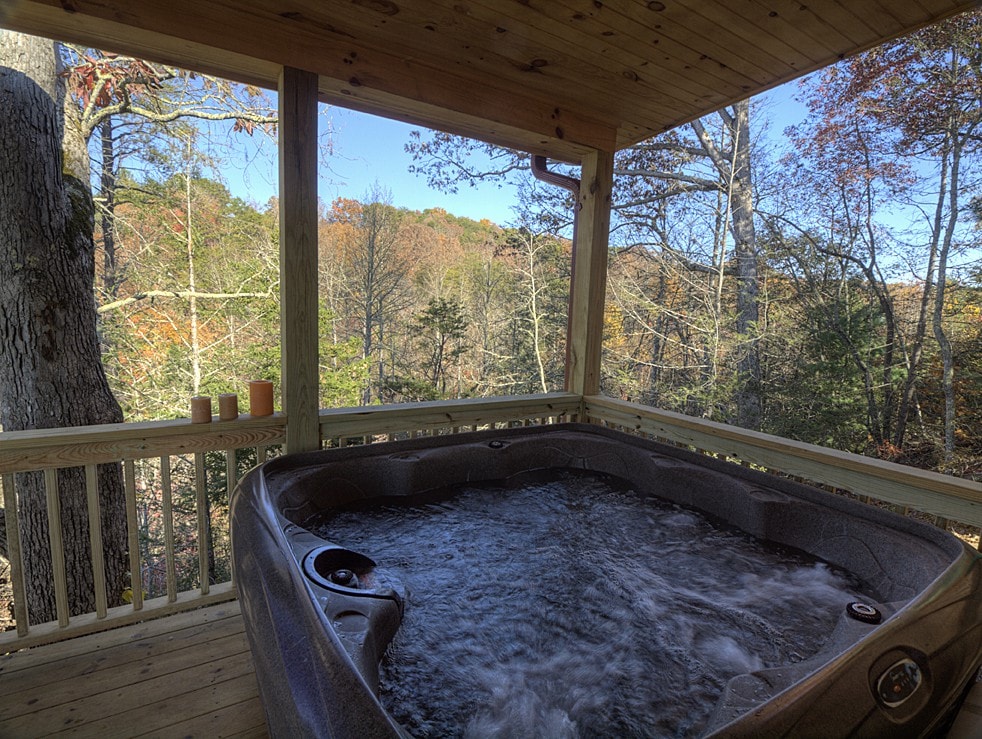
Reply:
x=426, y=305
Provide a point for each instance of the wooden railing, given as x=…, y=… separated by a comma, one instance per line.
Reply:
x=165, y=463
x=949, y=498
x=170, y=470
x=374, y=423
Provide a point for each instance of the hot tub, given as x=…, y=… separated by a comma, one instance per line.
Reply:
x=319, y=613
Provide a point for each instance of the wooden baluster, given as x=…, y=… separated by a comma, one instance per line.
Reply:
x=57, y=546
x=133, y=534
x=231, y=471
x=167, y=505
x=14, y=556
x=95, y=539
x=231, y=480
x=204, y=525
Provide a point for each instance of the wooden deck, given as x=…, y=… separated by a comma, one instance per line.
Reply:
x=188, y=675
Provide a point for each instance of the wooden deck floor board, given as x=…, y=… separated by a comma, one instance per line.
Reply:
x=154, y=652
x=161, y=628
x=107, y=692
x=179, y=676
x=244, y=718
x=223, y=707
x=155, y=672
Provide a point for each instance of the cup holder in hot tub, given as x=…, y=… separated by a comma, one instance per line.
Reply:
x=340, y=569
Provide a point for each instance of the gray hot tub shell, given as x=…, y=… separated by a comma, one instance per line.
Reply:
x=316, y=637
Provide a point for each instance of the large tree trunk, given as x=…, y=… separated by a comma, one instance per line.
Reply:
x=51, y=373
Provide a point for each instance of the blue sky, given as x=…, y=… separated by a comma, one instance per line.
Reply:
x=368, y=149
x=365, y=150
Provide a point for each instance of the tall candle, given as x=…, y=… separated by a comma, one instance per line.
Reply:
x=260, y=398
x=201, y=409
x=228, y=406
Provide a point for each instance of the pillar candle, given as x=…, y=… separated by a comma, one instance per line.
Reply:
x=228, y=406
x=260, y=398
x=200, y=409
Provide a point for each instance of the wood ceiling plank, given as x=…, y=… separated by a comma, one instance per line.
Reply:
x=458, y=42
x=829, y=21
x=828, y=17
x=629, y=134
x=422, y=91
x=634, y=62
x=340, y=93
x=50, y=20
x=646, y=98
x=688, y=32
x=794, y=23
x=887, y=18
x=756, y=42
x=917, y=13
x=904, y=15
x=840, y=15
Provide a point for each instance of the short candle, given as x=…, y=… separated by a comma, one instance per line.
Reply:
x=260, y=398
x=201, y=409
x=228, y=406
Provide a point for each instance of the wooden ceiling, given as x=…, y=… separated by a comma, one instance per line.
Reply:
x=554, y=77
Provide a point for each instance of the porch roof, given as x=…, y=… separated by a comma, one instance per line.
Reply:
x=554, y=77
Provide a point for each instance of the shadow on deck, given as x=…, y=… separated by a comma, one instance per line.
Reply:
x=188, y=675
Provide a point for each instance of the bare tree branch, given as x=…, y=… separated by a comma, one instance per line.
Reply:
x=700, y=183
x=180, y=294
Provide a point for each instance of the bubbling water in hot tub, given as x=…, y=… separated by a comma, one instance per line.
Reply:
x=569, y=605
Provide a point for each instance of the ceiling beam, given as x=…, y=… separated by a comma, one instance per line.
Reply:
x=351, y=75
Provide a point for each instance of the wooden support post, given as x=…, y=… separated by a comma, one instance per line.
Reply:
x=298, y=257
x=588, y=291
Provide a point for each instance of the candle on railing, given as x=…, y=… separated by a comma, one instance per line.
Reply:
x=260, y=398
x=228, y=406
x=201, y=409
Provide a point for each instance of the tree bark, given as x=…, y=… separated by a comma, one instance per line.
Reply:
x=953, y=145
x=738, y=173
x=745, y=249
x=51, y=373
x=111, y=278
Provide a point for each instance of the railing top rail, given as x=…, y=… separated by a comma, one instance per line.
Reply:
x=896, y=483
x=799, y=449
x=440, y=413
x=538, y=400
x=39, y=449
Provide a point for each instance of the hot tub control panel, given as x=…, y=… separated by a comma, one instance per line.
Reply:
x=898, y=683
